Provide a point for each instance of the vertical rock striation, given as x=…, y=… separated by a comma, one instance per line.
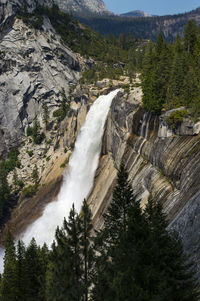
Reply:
x=166, y=168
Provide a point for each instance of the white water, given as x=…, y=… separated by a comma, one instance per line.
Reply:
x=78, y=180
x=143, y=133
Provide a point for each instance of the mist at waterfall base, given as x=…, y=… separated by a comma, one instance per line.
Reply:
x=78, y=180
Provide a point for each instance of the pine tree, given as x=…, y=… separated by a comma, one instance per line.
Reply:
x=169, y=259
x=43, y=254
x=46, y=115
x=35, y=175
x=20, y=271
x=4, y=189
x=106, y=242
x=32, y=271
x=72, y=228
x=86, y=248
x=9, y=279
x=60, y=277
x=36, y=131
x=190, y=37
x=65, y=273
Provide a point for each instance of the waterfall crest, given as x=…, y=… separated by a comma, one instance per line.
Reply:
x=78, y=180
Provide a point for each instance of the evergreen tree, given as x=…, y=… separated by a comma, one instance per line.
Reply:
x=190, y=37
x=32, y=272
x=9, y=280
x=64, y=273
x=35, y=175
x=4, y=189
x=169, y=259
x=86, y=248
x=36, y=131
x=46, y=115
x=43, y=254
x=15, y=180
x=20, y=272
x=60, y=277
x=72, y=228
x=106, y=242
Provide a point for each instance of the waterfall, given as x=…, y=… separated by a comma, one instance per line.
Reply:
x=78, y=180
x=143, y=135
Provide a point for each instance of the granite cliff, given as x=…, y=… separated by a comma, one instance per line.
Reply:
x=34, y=67
x=162, y=162
x=83, y=7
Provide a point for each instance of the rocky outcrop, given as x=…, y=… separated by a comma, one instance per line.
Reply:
x=83, y=7
x=34, y=67
x=166, y=168
x=185, y=128
x=9, y=9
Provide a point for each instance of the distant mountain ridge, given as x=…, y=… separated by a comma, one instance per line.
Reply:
x=136, y=14
x=146, y=28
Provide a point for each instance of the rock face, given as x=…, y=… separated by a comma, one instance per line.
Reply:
x=9, y=8
x=34, y=67
x=167, y=168
x=85, y=7
x=136, y=14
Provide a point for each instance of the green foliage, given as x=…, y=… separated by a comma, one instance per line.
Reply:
x=61, y=113
x=37, y=136
x=9, y=281
x=126, y=88
x=23, y=278
x=12, y=161
x=35, y=132
x=46, y=115
x=29, y=131
x=137, y=258
x=34, y=20
x=82, y=39
x=176, y=117
x=28, y=191
x=170, y=76
x=16, y=182
x=5, y=192
x=35, y=175
x=134, y=257
x=143, y=27
x=71, y=257
x=30, y=152
x=63, y=165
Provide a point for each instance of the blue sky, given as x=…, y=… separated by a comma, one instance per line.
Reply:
x=155, y=7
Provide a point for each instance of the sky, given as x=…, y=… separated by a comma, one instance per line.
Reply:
x=154, y=7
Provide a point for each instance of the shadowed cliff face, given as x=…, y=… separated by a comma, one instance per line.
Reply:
x=166, y=168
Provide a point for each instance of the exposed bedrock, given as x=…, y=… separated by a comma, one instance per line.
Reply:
x=166, y=168
x=34, y=68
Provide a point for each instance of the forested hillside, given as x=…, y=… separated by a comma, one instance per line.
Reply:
x=146, y=27
x=170, y=77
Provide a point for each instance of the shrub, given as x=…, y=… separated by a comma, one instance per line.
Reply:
x=65, y=163
x=176, y=117
x=57, y=113
x=126, y=88
x=28, y=191
x=30, y=153
x=29, y=131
